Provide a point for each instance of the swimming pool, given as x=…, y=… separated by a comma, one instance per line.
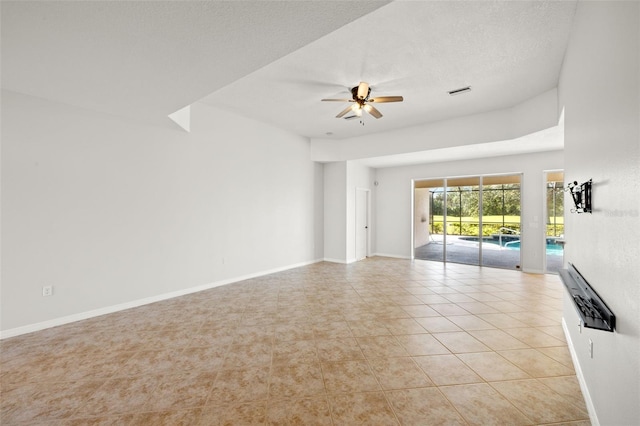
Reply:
x=553, y=248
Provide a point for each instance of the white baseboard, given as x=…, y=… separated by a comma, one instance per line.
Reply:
x=346, y=262
x=342, y=261
x=332, y=260
x=532, y=271
x=583, y=385
x=395, y=256
x=12, y=332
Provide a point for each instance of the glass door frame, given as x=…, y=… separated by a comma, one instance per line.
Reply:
x=445, y=182
x=487, y=182
x=545, y=212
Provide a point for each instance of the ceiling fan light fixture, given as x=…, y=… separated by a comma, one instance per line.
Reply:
x=360, y=101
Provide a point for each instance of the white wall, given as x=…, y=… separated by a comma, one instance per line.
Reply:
x=335, y=212
x=393, y=200
x=538, y=113
x=110, y=211
x=599, y=89
x=341, y=179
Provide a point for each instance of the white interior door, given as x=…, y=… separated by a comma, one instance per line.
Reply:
x=362, y=223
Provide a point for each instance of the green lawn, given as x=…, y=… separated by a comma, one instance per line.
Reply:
x=490, y=225
x=490, y=219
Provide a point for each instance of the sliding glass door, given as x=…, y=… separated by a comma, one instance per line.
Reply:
x=429, y=207
x=501, y=221
x=463, y=220
x=554, y=247
x=472, y=220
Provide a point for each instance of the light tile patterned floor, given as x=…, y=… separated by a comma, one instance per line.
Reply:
x=379, y=342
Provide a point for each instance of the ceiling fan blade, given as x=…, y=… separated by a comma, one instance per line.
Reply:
x=344, y=111
x=381, y=99
x=337, y=100
x=371, y=110
x=363, y=90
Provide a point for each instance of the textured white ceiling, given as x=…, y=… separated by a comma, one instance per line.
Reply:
x=147, y=59
x=507, y=51
x=274, y=60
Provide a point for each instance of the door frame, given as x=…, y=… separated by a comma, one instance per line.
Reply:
x=545, y=178
x=367, y=229
x=481, y=185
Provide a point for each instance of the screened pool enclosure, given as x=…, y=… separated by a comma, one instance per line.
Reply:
x=476, y=220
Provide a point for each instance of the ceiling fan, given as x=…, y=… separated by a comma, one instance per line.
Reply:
x=360, y=97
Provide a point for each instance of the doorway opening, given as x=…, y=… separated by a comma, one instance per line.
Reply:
x=472, y=220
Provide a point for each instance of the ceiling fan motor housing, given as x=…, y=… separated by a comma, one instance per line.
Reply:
x=354, y=93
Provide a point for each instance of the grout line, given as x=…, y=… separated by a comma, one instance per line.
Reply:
x=359, y=293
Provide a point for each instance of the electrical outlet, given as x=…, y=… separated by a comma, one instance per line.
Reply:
x=590, y=348
x=224, y=260
x=47, y=290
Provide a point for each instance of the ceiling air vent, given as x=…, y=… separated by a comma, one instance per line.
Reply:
x=461, y=90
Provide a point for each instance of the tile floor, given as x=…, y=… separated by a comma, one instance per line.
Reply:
x=379, y=342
